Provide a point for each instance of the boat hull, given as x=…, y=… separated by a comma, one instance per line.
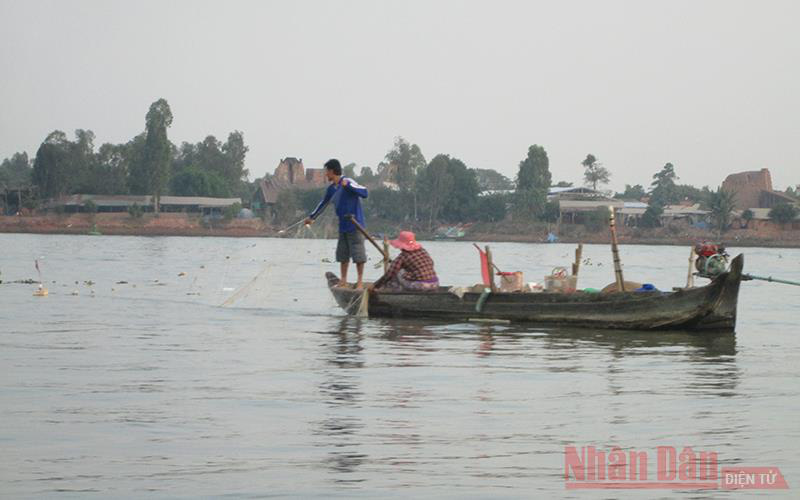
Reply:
x=711, y=307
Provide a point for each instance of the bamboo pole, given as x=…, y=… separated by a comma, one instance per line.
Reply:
x=615, y=252
x=368, y=237
x=490, y=264
x=491, y=273
x=576, y=266
x=769, y=278
x=385, y=254
x=690, y=275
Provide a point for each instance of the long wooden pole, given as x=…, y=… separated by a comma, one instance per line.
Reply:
x=769, y=278
x=492, y=264
x=576, y=266
x=385, y=254
x=615, y=253
x=367, y=236
x=491, y=274
x=690, y=275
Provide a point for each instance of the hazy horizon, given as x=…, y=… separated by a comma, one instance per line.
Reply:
x=708, y=86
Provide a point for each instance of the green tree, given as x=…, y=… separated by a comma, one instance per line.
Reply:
x=461, y=202
x=492, y=180
x=51, y=168
x=551, y=212
x=157, y=149
x=435, y=185
x=309, y=198
x=491, y=208
x=196, y=182
x=82, y=160
x=596, y=220
x=722, y=204
x=287, y=206
x=234, y=152
x=408, y=158
x=529, y=204
x=652, y=216
x=389, y=204
x=783, y=213
x=534, y=171
x=693, y=194
x=223, y=161
x=16, y=172
x=366, y=176
x=138, y=181
x=349, y=170
x=663, y=191
x=533, y=184
x=136, y=211
x=563, y=184
x=631, y=193
x=90, y=207
x=594, y=172
x=110, y=175
x=231, y=211
x=747, y=216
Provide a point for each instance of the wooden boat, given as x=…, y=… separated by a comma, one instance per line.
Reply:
x=710, y=307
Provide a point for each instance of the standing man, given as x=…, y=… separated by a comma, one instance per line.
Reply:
x=346, y=195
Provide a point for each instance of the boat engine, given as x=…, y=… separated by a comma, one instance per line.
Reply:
x=712, y=259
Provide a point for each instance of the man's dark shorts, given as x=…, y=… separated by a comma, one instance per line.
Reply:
x=351, y=246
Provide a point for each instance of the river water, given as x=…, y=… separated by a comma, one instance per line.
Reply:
x=151, y=387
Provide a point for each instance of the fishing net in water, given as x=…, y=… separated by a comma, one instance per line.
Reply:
x=252, y=286
x=363, y=305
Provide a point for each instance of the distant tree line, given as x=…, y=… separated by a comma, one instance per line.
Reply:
x=443, y=189
x=148, y=164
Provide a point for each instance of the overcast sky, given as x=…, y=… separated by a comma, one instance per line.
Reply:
x=713, y=87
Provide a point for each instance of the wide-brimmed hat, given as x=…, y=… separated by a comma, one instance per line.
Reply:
x=406, y=241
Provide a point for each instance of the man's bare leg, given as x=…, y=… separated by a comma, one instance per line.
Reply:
x=360, y=270
x=343, y=271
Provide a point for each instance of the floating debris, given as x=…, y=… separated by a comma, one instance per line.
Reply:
x=181, y=274
x=24, y=282
x=122, y=283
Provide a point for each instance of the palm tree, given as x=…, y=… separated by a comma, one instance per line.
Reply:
x=722, y=203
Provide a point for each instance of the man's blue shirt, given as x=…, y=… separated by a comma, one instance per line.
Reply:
x=347, y=200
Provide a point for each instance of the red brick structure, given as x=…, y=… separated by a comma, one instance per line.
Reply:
x=748, y=187
x=316, y=177
x=290, y=171
x=289, y=174
x=754, y=190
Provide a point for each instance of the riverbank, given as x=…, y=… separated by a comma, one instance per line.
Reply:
x=180, y=224
x=166, y=224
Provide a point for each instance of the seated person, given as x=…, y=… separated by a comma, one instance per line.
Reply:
x=411, y=270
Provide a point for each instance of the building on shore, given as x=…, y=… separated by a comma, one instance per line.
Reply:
x=576, y=202
x=289, y=174
x=121, y=203
x=754, y=190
